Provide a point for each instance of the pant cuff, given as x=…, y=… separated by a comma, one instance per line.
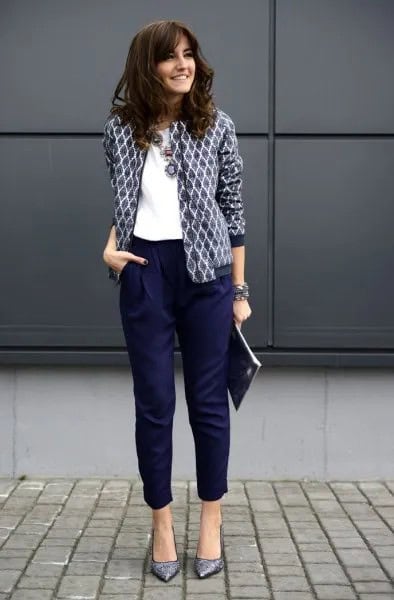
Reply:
x=213, y=495
x=158, y=503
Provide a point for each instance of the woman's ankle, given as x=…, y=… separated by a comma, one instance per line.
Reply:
x=211, y=511
x=162, y=518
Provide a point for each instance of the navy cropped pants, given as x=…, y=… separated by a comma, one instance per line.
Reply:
x=155, y=301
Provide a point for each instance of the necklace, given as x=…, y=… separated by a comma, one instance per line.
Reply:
x=165, y=151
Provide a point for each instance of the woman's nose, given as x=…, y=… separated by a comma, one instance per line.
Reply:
x=181, y=62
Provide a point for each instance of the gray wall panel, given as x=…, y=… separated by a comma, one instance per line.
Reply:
x=60, y=61
x=334, y=66
x=334, y=245
x=56, y=211
x=255, y=193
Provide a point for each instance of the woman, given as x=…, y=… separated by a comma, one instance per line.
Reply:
x=176, y=248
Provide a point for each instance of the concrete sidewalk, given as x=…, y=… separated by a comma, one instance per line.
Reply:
x=284, y=540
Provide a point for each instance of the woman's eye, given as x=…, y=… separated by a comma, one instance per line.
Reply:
x=171, y=55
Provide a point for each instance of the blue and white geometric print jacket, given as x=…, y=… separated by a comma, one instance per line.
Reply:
x=208, y=172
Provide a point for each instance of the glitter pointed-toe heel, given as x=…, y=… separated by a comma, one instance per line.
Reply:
x=205, y=567
x=165, y=570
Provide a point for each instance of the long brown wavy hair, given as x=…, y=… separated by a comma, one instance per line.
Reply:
x=144, y=98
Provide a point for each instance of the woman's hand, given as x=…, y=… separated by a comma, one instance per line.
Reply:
x=117, y=259
x=241, y=311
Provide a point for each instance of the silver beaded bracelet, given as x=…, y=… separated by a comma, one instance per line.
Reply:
x=241, y=292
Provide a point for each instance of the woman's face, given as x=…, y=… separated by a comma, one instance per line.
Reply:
x=178, y=69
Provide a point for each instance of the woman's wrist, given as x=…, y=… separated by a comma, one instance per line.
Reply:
x=241, y=291
x=108, y=251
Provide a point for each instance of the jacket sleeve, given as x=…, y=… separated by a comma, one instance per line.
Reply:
x=107, y=144
x=109, y=159
x=229, y=188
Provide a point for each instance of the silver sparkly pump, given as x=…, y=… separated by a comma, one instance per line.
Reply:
x=209, y=566
x=165, y=570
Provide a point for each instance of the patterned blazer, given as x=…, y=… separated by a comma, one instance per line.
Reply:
x=208, y=172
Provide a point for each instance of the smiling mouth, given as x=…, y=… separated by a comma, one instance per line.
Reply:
x=180, y=78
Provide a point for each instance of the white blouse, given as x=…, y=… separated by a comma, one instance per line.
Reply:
x=158, y=214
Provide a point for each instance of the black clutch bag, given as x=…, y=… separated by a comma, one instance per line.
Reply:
x=242, y=368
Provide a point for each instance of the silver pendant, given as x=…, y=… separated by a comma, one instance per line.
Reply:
x=170, y=169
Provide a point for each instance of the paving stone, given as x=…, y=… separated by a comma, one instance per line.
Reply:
x=371, y=525
x=117, y=597
x=32, y=528
x=32, y=583
x=236, y=528
x=326, y=574
x=287, y=584
x=90, y=557
x=214, y=584
x=4, y=533
x=324, y=547
x=357, y=558
x=233, y=541
x=244, y=567
x=281, y=559
x=22, y=541
x=283, y=570
x=388, y=564
x=348, y=542
x=366, y=574
x=381, y=539
x=71, y=522
x=319, y=557
x=325, y=507
x=99, y=532
x=373, y=586
x=44, y=570
x=63, y=542
x=293, y=596
x=265, y=506
x=63, y=533
x=94, y=544
x=334, y=592
x=111, y=524
x=121, y=586
x=281, y=545
x=249, y=591
x=107, y=513
x=8, y=579
x=165, y=594
x=309, y=536
x=242, y=553
x=8, y=521
x=85, y=568
x=200, y=597
x=389, y=596
x=17, y=564
x=137, y=552
x=384, y=551
x=78, y=585
x=50, y=555
x=31, y=595
x=241, y=578
x=302, y=515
